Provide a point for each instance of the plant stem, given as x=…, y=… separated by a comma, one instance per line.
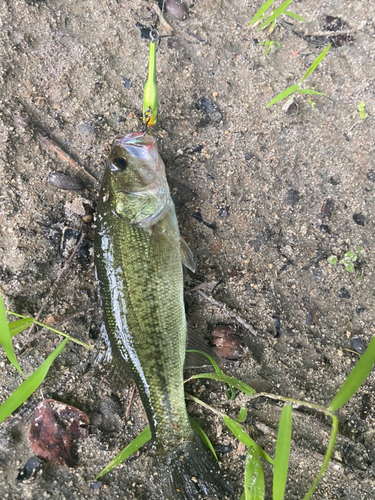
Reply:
x=327, y=457
x=53, y=330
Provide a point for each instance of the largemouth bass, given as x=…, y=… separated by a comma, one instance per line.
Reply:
x=138, y=259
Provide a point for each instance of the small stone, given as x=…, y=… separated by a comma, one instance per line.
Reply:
x=343, y=293
x=359, y=345
x=60, y=180
x=371, y=175
x=359, y=219
x=226, y=343
x=29, y=469
x=177, y=9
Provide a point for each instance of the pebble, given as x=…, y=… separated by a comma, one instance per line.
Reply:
x=359, y=345
x=226, y=343
x=343, y=293
x=359, y=219
x=65, y=181
x=30, y=468
x=177, y=9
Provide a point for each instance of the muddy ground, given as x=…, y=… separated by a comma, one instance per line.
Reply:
x=263, y=197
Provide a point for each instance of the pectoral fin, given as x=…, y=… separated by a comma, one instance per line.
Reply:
x=186, y=255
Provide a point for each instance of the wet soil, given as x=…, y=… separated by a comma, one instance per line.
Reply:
x=263, y=197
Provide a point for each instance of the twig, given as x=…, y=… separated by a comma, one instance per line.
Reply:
x=130, y=402
x=229, y=312
x=50, y=144
x=52, y=289
x=163, y=22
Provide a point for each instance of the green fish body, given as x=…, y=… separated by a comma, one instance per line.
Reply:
x=139, y=270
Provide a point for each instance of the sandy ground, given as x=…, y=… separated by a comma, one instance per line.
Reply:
x=263, y=197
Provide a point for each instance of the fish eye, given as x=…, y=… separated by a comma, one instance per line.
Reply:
x=118, y=163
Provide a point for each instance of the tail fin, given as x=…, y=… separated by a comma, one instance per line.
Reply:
x=190, y=472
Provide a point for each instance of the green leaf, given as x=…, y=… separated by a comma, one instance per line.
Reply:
x=316, y=63
x=242, y=416
x=261, y=11
x=5, y=338
x=358, y=249
x=275, y=15
x=254, y=478
x=295, y=16
x=241, y=435
x=351, y=255
x=278, y=45
x=356, y=378
x=30, y=385
x=203, y=437
x=349, y=266
x=332, y=259
x=19, y=325
x=281, y=462
x=309, y=92
x=131, y=448
x=233, y=382
x=285, y=93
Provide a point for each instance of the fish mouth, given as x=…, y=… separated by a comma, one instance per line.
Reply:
x=134, y=139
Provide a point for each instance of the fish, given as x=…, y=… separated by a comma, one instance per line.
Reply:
x=138, y=259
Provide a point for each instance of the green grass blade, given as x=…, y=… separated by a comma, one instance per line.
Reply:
x=72, y=339
x=203, y=437
x=285, y=93
x=242, y=416
x=309, y=92
x=241, y=435
x=316, y=63
x=260, y=12
x=5, y=338
x=275, y=15
x=331, y=445
x=356, y=378
x=295, y=16
x=131, y=448
x=212, y=361
x=19, y=325
x=254, y=478
x=30, y=385
x=281, y=462
x=233, y=382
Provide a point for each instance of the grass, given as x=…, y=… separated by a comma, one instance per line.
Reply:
x=349, y=259
x=297, y=87
x=253, y=472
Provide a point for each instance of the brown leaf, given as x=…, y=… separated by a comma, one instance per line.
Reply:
x=55, y=431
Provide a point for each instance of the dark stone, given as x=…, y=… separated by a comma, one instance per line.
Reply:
x=371, y=175
x=127, y=82
x=277, y=323
x=96, y=485
x=343, y=293
x=29, y=469
x=328, y=207
x=366, y=406
x=359, y=345
x=213, y=113
x=292, y=197
x=323, y=228
x=334, y=180
x=359, y=219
